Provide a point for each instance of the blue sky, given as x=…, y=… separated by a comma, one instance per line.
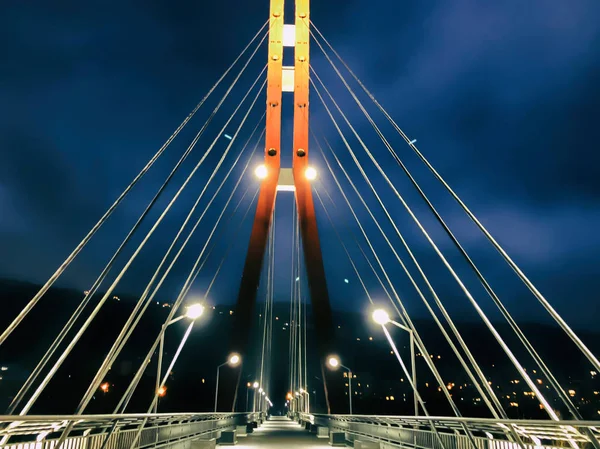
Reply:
x=503, y=99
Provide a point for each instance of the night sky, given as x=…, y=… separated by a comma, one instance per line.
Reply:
x=503, y=98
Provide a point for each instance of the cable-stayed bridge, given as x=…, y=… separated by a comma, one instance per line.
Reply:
x=352, y=183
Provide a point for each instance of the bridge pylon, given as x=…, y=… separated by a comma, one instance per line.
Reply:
x=301, y=183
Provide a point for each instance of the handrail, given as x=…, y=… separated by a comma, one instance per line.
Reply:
x=537, y=431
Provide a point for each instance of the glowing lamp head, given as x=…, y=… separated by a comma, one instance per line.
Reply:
x=104, y=387
x=333, y=361
x=261, y=172
x=194, y=311
x=289, y=396
x=260, y=390
x=310, y=173
x=234, y=360
x=263, y=393
x=380, y=316
x=255, y=385
x=162, y=391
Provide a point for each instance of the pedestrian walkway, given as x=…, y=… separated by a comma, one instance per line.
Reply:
x=281, y=432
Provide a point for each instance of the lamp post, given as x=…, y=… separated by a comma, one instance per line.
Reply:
x=307, y=403
x=248, y=386
x=261, y=397
x=233, y=360
x=382, y=318
x=193, y=312
x=333, y=363
x=255, y=385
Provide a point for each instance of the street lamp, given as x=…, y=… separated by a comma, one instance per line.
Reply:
x=255, y=385
x=382, y=318
x=233, y=360
x=333, y=362
x=193, y=312
x=307, y=404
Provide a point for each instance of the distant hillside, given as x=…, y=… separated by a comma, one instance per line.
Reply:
x=361, y=344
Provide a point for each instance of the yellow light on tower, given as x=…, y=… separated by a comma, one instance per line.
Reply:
x=261, y=171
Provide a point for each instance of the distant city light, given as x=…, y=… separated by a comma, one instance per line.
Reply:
x=162, y=391
x=346, y=281
x=104, y=387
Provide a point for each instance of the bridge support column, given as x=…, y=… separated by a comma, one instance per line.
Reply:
x=337, y=439
x=322, y=432
x=241, y=431
x=228, y=438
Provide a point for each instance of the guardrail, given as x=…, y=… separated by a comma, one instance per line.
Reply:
x=461, y=433
x=128, y=431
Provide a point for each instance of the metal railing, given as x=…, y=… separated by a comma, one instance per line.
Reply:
x=130, y=431
x=416, y=432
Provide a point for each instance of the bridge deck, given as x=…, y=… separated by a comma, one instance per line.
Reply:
x=281, y=432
